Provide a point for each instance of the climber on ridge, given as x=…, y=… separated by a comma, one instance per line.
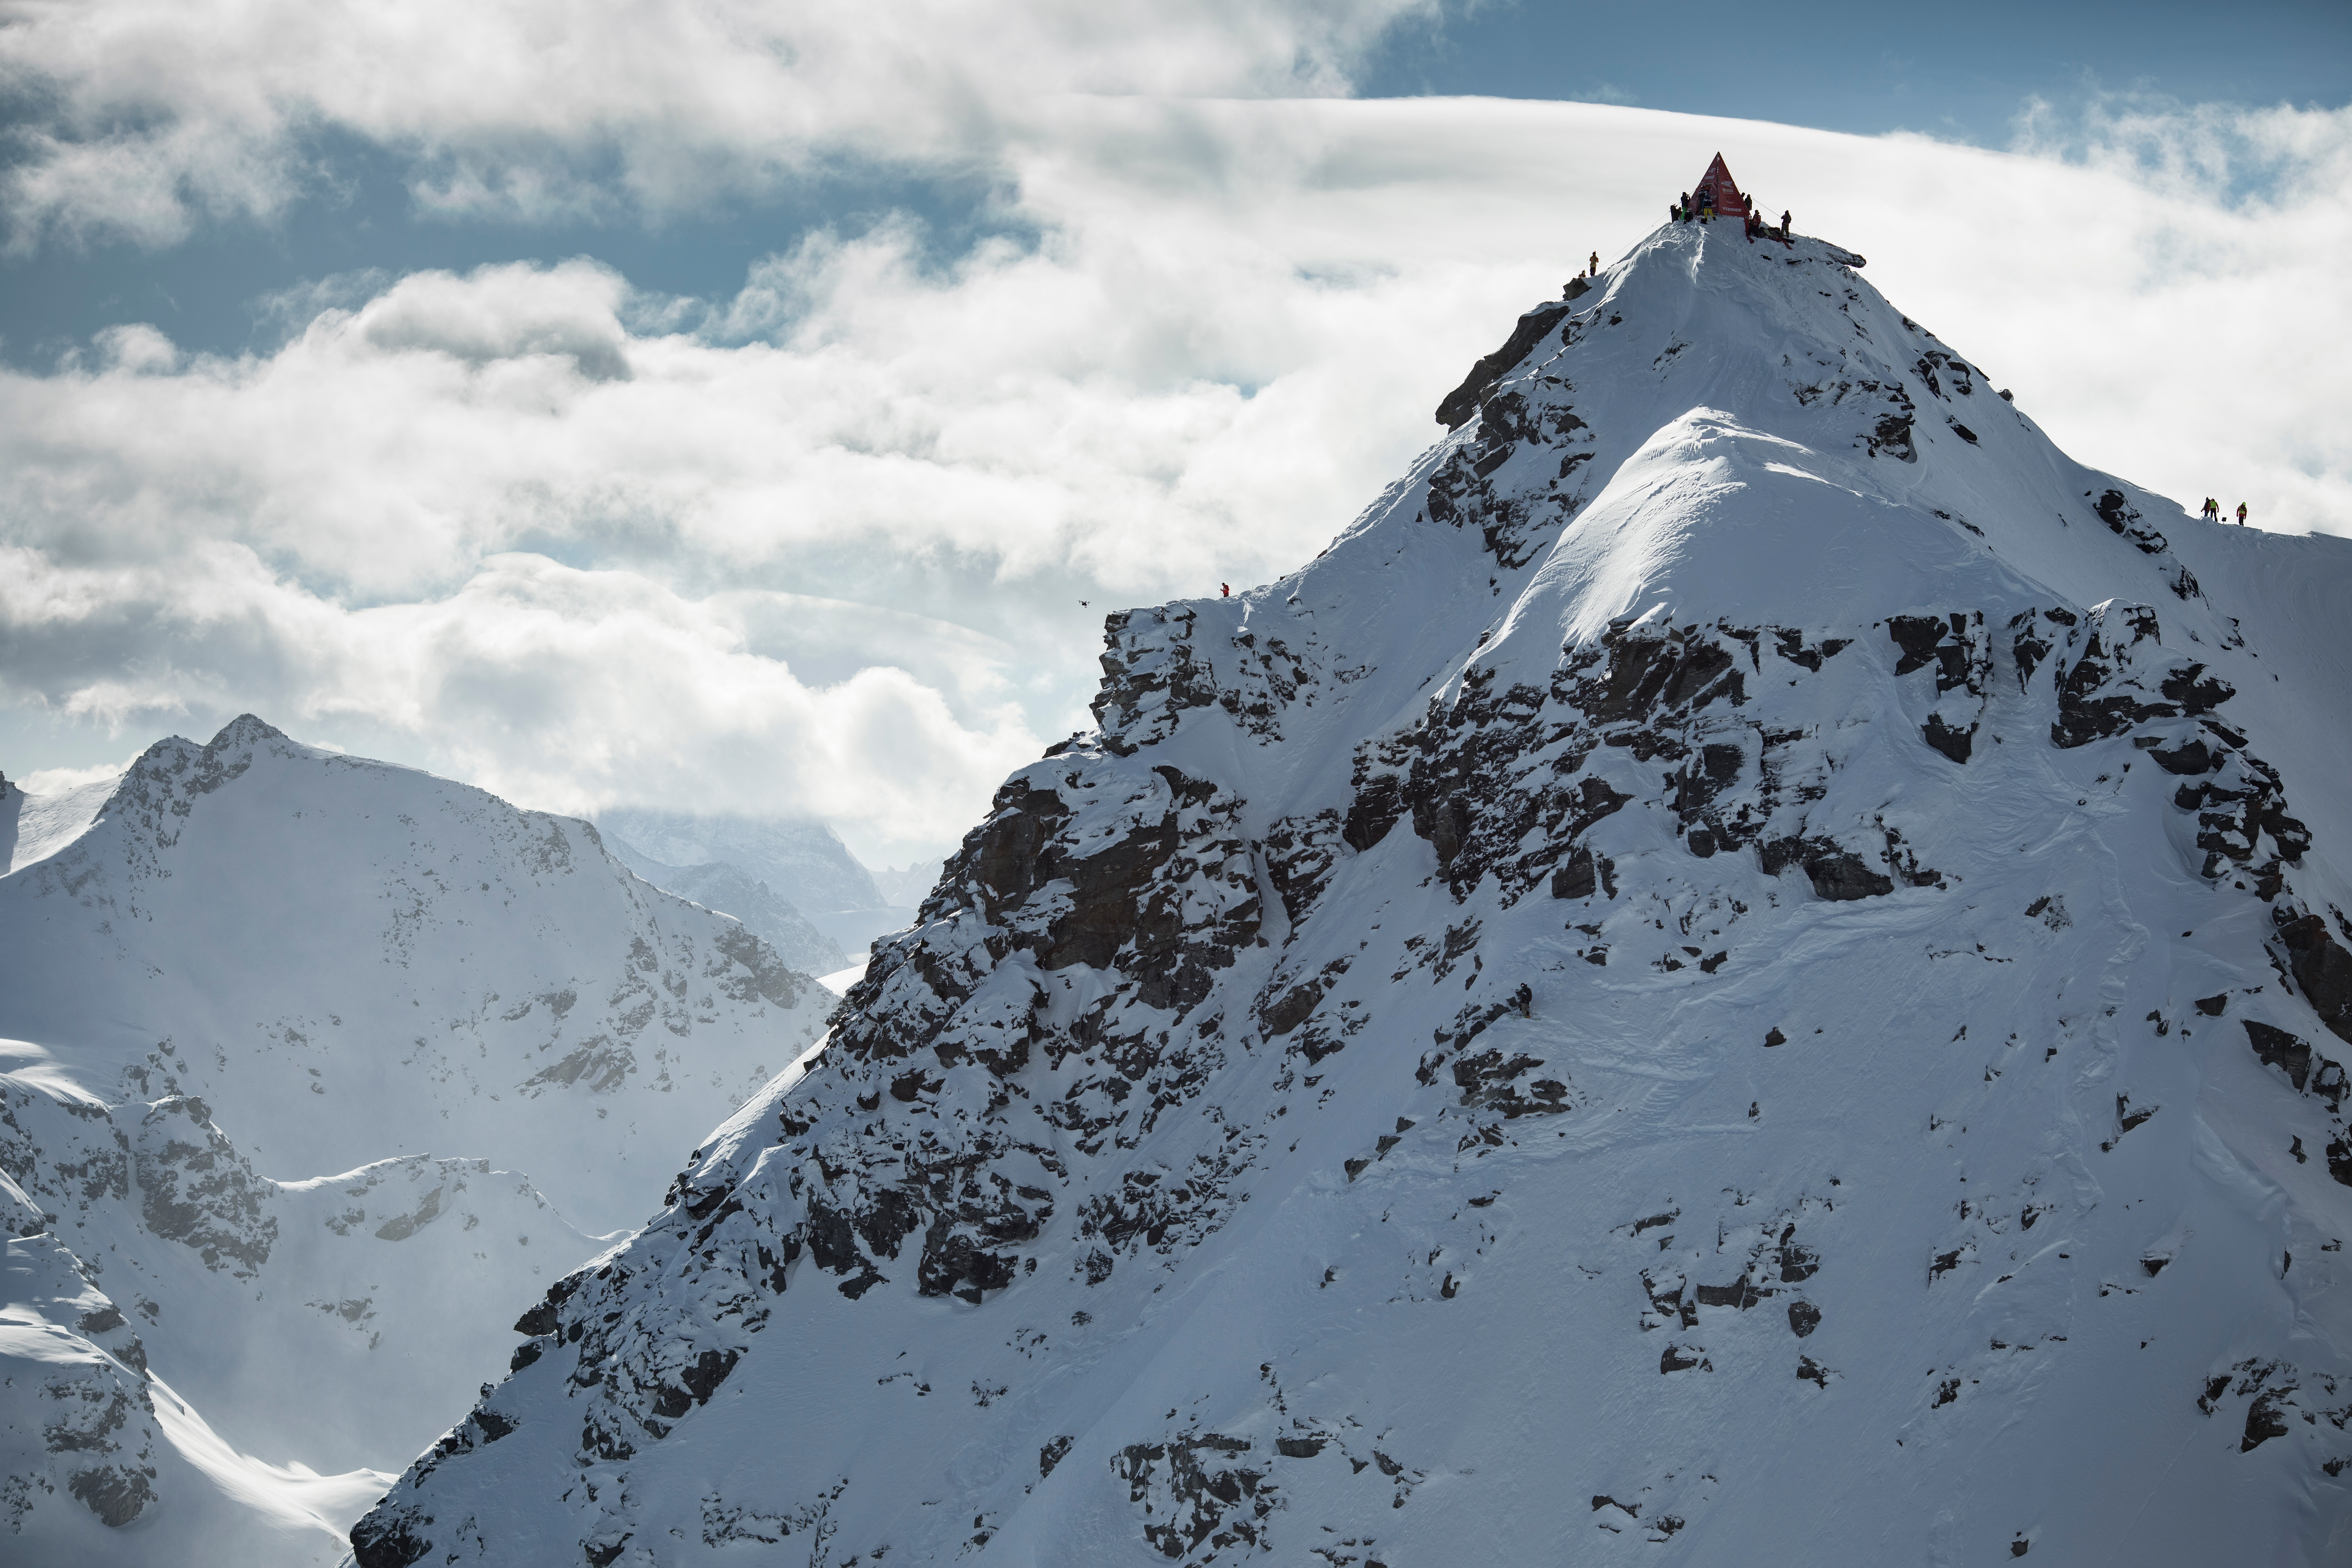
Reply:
x=1592, y=268
x=2212, y=509
x=2241, y=514
x=1224, y=590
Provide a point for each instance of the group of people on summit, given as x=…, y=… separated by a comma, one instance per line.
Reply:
x=1683, y=211
x=1719, y=197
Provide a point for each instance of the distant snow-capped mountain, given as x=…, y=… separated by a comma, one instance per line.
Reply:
x=908, y=885
x=733, y=891
x=803, y=862
x=1752, y=967
x=312, y=1071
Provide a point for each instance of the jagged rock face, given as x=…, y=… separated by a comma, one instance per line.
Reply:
x=195, y=1189
x=1646, y=972
x=286, y=1040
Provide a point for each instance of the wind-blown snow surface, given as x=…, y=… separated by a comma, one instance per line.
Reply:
x=1748, y=969
x=313, y=1073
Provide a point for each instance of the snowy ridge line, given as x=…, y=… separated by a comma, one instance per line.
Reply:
x=1646, y=972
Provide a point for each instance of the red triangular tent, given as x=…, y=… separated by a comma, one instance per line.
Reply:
x=1728, y=201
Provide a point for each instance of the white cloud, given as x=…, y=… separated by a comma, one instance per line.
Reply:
x=840, y=528
x=614, y=687
x=564, y=689
x=58, y=780
x=144, y=116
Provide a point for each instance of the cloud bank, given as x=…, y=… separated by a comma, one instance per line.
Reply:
x=143, y=117
x=821, y=546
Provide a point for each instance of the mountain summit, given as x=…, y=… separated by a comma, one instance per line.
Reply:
x=1750, y=966
x=314, y=1072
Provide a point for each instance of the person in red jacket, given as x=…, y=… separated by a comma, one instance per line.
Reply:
x=2241, y=514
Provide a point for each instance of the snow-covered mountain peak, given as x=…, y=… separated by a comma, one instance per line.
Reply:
x=319, y=1069
x=1722, y=423
x=805, y=861
x=252, y=889
x=1630, y=1006
x=729, y=890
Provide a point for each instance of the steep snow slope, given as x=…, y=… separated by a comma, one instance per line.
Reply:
x=1749, y=968
x=280, y=1033
x=87, y=1421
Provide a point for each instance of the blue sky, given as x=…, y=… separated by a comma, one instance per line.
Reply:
x=755, y=406
x=1963, y=72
